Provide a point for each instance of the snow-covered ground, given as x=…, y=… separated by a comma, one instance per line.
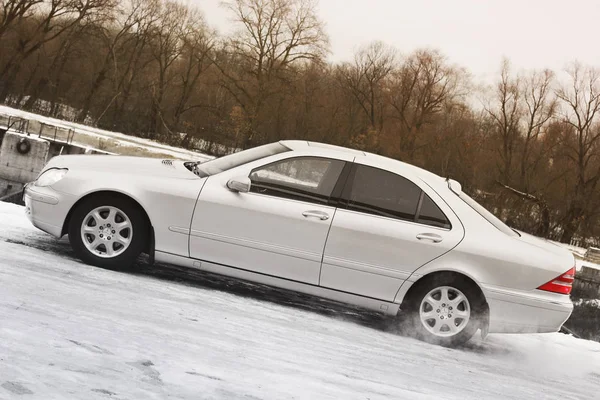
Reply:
x=592, y=302
x=71, y=331
x=117, y=139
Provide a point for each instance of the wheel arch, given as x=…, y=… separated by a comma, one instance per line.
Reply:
x=432, y=276
x=149, y=249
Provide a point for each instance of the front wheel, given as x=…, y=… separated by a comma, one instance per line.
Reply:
x=445, y=310
x=108, y=231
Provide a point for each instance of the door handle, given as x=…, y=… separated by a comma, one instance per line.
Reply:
x=317, y=214
x=430, y=236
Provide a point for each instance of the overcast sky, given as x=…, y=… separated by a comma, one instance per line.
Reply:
x=475, y=34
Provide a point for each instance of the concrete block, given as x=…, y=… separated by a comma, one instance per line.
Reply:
x=22, y=168
x=593, y=255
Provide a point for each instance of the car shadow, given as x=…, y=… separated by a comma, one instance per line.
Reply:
x=206, y=280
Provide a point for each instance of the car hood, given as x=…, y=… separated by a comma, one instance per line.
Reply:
x=124, y=165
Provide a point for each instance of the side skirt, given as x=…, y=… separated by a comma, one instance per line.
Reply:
x=343, y=297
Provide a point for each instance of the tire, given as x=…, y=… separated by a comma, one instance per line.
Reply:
x=446, y=309
x=108, y=231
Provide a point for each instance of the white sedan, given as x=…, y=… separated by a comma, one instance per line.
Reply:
x=324, y=220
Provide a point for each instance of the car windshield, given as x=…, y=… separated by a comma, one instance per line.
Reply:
x=224, y=163
x=491, y=218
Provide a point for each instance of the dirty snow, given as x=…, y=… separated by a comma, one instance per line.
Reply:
x=591, y=302
x=71, y=331
x=120, y=138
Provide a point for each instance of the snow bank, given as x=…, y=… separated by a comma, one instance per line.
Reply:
x=71, y=331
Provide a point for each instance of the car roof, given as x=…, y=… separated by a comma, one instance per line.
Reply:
x=374, y=159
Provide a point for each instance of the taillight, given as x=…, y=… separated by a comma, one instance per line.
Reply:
x=561, y=284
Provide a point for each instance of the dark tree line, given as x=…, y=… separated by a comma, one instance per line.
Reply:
x=528, y=147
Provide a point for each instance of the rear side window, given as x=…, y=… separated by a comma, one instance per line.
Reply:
x=379, y=192
x=430, y=214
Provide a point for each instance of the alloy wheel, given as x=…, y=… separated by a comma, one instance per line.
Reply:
x=445, y=311
x=106, y=231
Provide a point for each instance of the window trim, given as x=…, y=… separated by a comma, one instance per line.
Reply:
x=273, y=149
x=330, y=201
x=344, y=200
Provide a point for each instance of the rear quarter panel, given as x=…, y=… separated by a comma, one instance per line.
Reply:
x=508, y=270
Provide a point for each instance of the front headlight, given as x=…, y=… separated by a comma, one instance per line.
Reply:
x=50, y=177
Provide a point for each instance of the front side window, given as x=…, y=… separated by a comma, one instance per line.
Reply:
x=309, y=179
x=379, y=192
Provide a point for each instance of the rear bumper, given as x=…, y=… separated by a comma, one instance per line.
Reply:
x=46, y=208
x=532, y=312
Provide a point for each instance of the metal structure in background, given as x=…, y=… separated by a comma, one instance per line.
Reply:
x=57, y=136
x=25, y=126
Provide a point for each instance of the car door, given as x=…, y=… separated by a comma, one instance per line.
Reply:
x=279, y=227
x=386, y=227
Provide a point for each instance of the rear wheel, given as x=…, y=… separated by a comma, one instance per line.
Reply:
x=108, y=231
x=445, y=310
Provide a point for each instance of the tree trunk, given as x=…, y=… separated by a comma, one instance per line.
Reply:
x=87, y=103
x=571, y=226
x=543, y=229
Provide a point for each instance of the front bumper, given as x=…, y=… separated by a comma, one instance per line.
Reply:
x=46, y=208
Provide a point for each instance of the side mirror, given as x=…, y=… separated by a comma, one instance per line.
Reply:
x=239, y=184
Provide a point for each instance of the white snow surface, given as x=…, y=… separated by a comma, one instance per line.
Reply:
x=121, y=138
x=72, y=331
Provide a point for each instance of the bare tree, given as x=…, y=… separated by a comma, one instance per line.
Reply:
x=50, y=78
x=113, y=34
x=166, y=46
x=365, y=78
x=581, y=104
x=531, y=154
x=524, y=106
x=54, y=18
x=133, y=60
x=418, y=92
x=506, y=113
x=13, y=11
x=198, y=42
x=274, y=35
x=540, y=105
